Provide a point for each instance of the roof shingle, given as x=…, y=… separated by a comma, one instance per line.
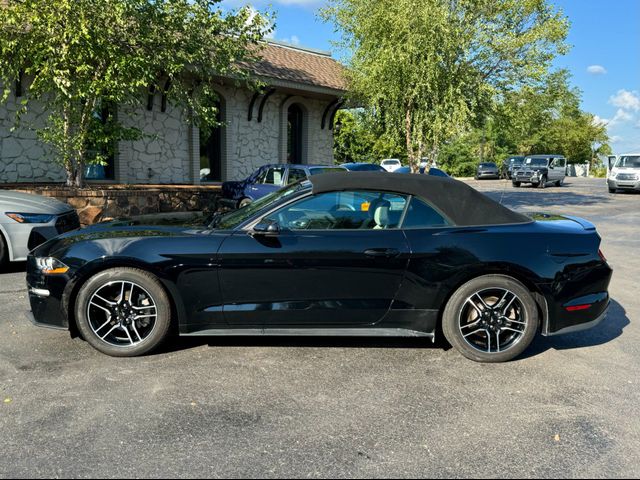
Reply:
x=300, y=66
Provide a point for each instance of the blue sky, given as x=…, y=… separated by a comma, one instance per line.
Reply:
x=604, y=60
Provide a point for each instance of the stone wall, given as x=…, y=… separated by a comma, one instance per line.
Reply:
x=108, y=202
x=23, y=158
x=168, y=152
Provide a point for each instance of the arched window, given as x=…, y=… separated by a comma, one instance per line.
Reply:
x=211, y=143
x=294, y=134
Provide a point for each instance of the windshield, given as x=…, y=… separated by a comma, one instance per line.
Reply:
x=536, y=162
x=516, y=160
x=230, y=220
x=628, y=161
x=390, y=162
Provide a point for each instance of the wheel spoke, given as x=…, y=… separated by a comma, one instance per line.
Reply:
x=470, y=324
x=135, y=330
x=126, y=330
x=143, y=308
x=484, y=304
x=512, y=329
x=121, y=298
x=506, y=308
x=104, y=324
x=153, y=315
x=488, y=341
x=111, y=330
x=498, y=341
x=108, y=302
x=475, y=331
x=131, y=293
x=100, y=307
x=475, y=307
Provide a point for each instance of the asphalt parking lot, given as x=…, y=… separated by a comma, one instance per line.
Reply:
x=337, y=407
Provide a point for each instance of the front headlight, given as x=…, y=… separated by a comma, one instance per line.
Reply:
x=51, y=266
x=30, y=217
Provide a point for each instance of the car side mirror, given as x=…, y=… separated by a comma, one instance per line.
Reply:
x=266, y=227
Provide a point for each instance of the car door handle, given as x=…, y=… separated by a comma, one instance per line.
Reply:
x=382, y=252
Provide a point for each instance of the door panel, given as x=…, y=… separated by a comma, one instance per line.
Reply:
x=311, y=278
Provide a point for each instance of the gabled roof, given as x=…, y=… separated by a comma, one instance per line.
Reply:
x=300, y=66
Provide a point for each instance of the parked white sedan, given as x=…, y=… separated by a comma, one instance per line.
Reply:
x=27, y=220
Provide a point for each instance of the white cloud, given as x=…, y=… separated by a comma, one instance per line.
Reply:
x=598, y=120
x=596, y=70
x=293, y=40
x=626, y=100
x=621, y=116
x=616, y=139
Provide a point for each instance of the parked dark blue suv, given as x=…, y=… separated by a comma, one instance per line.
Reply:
x=267, y=179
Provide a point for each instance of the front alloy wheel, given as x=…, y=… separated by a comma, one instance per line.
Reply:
x=491, y=319
x=123, y=312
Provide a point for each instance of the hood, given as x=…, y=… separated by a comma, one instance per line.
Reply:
x=113, y=236
x=11, y=201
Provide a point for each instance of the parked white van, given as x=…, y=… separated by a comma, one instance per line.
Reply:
x=625, y=174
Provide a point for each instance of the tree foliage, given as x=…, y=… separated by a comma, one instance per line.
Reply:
x=427, y=68
x=81, y=56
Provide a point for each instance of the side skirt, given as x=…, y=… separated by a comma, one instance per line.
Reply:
x=311, y=332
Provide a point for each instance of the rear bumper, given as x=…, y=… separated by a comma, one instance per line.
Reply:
x=579, y=327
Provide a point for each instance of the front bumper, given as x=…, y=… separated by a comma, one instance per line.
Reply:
x=623, y=184
x=47, y=296
x=488, y=175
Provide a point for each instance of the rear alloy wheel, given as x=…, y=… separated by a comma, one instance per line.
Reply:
x=543, y=182
x=492, y=318
x=244, y=202
x=123, y=312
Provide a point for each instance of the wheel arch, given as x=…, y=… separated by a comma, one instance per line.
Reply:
x=93, y=268
x=510, y=272
x=4, y=236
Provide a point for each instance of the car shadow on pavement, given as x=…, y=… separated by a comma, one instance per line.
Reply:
x=610, y=329
x=14, y=267
x=184, y=343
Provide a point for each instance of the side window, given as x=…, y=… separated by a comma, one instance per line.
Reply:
x=343, y=211
x=274, y=176
x=421, y=215
x=296, y=174
x=561, y=162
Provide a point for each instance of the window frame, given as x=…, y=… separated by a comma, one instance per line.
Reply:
x=248, y=226
x=446, y=218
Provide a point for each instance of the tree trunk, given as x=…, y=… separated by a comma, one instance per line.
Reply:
x=408, y=139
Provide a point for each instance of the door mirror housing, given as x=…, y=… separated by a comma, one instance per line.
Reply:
x=266, y=227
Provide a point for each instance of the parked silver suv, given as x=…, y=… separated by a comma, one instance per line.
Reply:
x=625, y=174
x=539, y=170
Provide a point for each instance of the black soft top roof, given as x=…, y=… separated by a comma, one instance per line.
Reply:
x=464, y=205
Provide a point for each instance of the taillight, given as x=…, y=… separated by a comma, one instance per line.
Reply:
x=604, y=259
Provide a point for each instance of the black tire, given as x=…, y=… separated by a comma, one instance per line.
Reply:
x=516, y=184
x=612, y=190
x=458, y=301
x=151, y=285
x=244, y=202
x=4, y=253
x=559, y=183
x=543, y=182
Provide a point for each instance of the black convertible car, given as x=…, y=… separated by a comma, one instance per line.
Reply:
x=369, y=254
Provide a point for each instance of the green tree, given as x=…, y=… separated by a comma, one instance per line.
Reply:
x=429, y=67
x=80, y=56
